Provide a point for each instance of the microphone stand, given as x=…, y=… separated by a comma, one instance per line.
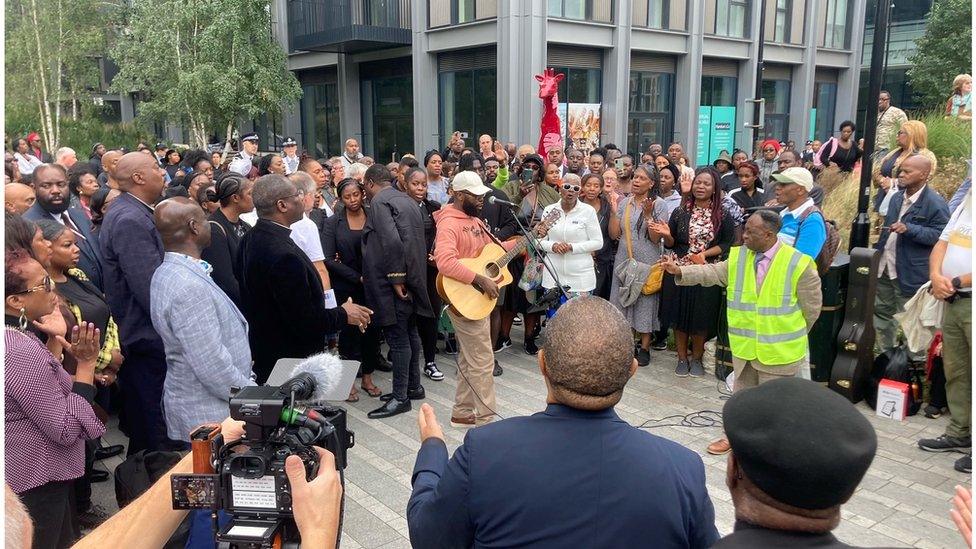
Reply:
x=532, y=244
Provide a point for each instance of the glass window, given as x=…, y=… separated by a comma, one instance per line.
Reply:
x=777, y=95
x=656, y=14
x=320, y=119
x=651, y=116
x=781, y=26
x=838, y=13
x=575, y=9
x=719, y=91
x=730, y=18
x=467, y=102
x=825, y=101
x=465, y=11
x=579, y=86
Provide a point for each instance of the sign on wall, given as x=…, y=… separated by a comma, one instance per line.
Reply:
x=716, y=132
x=583, y=126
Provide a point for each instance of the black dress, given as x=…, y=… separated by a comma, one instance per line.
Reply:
x=427, y=326
x=844, y=158
x=603, y=258
x=343, y=250
x=221, y=254
x=694, y=309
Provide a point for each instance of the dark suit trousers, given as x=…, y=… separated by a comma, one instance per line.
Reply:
x=405, y=349
x=141, y=380
x=51, y=508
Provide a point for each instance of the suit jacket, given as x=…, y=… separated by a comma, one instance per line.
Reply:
x=282, y=298
x=748, y=536
x=555, y=479
x=205, y=337
x=131, y=251
x=90, y=260
x=925, y=220
x=394, y=252
x=499, y=218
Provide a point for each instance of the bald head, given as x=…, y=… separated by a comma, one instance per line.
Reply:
x=182, y=225
x=110, y=160
x=140, y=175
x=914, y=172
x=591, y=376
x=18, y=198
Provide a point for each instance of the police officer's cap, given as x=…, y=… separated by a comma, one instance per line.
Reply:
x=250, y=137
x=802, y=444
x=289, y=141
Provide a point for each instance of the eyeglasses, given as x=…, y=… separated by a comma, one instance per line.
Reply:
x=299, y=194
x=571, y=187
x=46, y=285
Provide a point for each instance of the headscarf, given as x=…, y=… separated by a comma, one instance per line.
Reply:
x=771, y=142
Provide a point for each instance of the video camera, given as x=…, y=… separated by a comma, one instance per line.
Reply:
x=246, y=478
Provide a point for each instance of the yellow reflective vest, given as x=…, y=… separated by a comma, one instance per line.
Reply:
x=766, y=325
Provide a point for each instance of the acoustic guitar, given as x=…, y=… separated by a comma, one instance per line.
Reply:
x=469, y=300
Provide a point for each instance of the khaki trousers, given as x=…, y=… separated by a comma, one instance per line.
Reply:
x=475, y=394
x=750, y=373
x=957, y=354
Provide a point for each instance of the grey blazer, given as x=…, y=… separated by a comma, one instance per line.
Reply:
x=205, y=337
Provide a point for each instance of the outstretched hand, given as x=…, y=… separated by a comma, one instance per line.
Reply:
x=962, y=513
x=427, y=422
x=669, y=265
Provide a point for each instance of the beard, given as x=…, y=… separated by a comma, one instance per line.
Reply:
x=57, y=209
x=470, y=208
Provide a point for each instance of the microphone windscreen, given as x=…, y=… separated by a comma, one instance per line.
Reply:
x=326, y=368
x=491, y=199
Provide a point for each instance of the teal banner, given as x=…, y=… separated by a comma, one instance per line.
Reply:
x=813, y=124
x=723, y=131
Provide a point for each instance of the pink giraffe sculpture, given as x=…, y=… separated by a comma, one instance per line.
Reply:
x=550, y=135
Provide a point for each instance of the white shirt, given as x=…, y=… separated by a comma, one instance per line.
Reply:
x=581, y=228
x=241, y=163
x=346, y=161
x=26, y=163
x=958, y=233
x=888, y=256
x=291, y=164
x=306, y=235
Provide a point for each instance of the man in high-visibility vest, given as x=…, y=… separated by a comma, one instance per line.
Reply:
x=773, y=299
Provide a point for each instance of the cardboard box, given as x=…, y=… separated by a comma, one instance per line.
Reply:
x=892, y=399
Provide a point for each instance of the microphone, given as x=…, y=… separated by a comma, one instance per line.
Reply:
x=314, y=378
x=501, y=202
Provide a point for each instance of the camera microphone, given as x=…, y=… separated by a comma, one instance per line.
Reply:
x=501, y=202
x=314, y=378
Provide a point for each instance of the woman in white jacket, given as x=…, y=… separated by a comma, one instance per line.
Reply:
x=571, y=241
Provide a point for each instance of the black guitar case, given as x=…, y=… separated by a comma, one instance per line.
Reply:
x=855, y=342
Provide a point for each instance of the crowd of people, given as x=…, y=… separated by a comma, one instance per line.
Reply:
x=150, y=282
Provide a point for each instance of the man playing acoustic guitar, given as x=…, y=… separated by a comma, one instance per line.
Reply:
x=462, y=234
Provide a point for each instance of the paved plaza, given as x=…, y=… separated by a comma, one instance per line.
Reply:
x=903, y=501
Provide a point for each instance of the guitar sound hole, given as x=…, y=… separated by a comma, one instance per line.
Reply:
x=492, y=270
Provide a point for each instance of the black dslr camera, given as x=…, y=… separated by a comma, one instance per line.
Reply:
x=246, y=478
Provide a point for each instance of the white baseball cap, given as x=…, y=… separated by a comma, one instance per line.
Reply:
x=469, y=182
x=800, y=176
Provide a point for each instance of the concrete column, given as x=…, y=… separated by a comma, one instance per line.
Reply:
x=290, y=111
x=849, y=79
x=804, y=76
x=745, y=137
x=521, y=55
x=616, y=79
x=687, y=84
x=350, y=109
x=127, y=107
x=425, y=87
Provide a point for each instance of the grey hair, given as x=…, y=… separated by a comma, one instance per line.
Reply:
x=268, y=190
x=356, y=170
x=62, y=152
x=303, y=182
x=572, y=179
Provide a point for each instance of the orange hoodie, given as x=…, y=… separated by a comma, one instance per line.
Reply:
x=459, y=236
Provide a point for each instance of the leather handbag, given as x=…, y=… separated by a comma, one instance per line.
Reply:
x=655, y=277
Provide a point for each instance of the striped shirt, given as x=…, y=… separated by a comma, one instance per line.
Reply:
x=45, y=422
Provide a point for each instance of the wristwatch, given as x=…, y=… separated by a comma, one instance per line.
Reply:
x=956, y=283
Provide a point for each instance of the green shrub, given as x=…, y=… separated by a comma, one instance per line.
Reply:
x=949, y=138
x=81, y=134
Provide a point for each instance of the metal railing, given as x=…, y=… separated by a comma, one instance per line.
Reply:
x=329, y=22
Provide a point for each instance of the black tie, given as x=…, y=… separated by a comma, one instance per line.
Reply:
x=66, y=219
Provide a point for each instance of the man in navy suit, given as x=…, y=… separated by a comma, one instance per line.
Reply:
x=915, y=219
x=51, y=187
x=132, y=250
x=574, y=475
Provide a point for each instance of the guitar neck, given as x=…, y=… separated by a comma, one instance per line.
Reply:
x=513, y=253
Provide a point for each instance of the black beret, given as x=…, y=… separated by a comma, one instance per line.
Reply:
x=799, y=442
x=534, y=158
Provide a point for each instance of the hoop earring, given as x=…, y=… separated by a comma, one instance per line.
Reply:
x=23, y=319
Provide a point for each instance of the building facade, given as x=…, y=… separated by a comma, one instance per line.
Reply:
x=402, y=75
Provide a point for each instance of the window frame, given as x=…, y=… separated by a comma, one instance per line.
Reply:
x=744, y=5
x=785, y=12
x=475, y=74
x=587, y=10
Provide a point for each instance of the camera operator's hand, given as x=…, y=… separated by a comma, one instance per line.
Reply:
x=428, y=423
x=232, y=430
x=316, y=503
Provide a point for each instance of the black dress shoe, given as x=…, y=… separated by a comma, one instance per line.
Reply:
x=98, y=476
x=390, y=409
x=382, y=365
x=419, y=394
x=106, y=452
x=530, y=347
